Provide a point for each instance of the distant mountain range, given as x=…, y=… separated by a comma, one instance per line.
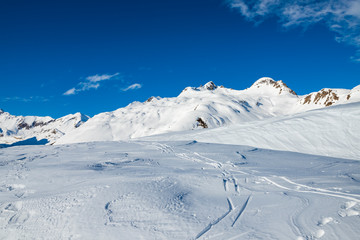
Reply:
x=19, y=128
x=207, y=106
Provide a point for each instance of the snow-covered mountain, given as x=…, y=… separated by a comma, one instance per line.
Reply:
x=19, y=128
x=194, y=184
x=208, y=106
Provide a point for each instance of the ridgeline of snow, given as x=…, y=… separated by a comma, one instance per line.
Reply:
x=332, y=131
x=19, y=128
x=208, y=106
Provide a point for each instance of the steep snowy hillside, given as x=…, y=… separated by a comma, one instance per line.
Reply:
x=208, y=106
x=175, y=190
x=18, y=128
x=332, y=131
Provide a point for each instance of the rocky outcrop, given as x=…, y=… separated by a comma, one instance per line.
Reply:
x=326, y=97
x=201, y=123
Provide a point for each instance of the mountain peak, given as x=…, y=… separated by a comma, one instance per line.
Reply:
x=210, y=86
x=269, y=82
x=263, y=81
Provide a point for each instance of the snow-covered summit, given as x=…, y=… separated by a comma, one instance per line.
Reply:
x=210, y=86
x=269, y=85
x=264, y=81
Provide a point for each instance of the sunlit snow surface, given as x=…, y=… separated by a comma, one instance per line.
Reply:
x=175, y=190
x=332, y=131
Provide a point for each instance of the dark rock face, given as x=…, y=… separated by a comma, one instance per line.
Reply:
x=34, y=124
x=201, y=123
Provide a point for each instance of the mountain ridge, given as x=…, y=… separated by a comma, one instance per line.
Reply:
x=207, y=106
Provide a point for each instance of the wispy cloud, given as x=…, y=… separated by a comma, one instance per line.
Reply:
x=71, y=91
x=98, y=78
x=25, y=99
x=340, y=16
x=132, y=87
x=91, y=82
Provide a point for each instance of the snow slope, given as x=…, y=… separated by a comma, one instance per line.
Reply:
x=175, y=190
x=208, y=106
x=19, y=128
x=332, y=131
x=184, y=183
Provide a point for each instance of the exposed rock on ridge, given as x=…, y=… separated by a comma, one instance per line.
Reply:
x=328, y=97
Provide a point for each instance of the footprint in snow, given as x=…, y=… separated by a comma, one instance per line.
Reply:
x=349, y=209
x=325, y=220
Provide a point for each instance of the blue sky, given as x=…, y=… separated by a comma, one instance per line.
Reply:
x=62, y=57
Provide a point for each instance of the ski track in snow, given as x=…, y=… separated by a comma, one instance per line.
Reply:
x=318, y=234
x=205, y=230
x=241, y=210
x=301, y=188
x=307, y=189
x=174, y=190
x=194, y=156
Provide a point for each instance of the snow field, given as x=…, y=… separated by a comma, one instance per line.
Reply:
x=175, y=190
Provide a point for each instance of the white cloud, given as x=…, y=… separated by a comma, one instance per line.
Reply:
x=340, y=16
x=25, y=99
x=84, y=86
x=91, y=82
x=98, y=78
x=132, y=87
x=70, y=91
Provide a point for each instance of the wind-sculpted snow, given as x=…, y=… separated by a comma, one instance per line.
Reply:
x=209, y=106
x=332, y=131
x=175, y=190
